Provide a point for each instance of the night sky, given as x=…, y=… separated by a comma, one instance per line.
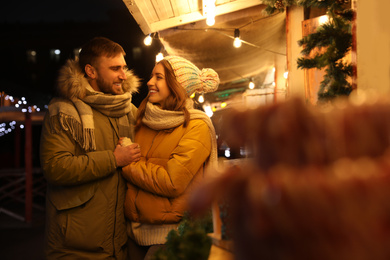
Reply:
x=66, y=25
x=45, y=25
x=56, y=11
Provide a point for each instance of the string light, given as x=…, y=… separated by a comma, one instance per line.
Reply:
x=207, y=110
x=237, y=41
x=159, y=57
x=251, y=84
x=209, y=11
x=323, y=19
x=148, y=40
x=210, y=21
x=201, y=98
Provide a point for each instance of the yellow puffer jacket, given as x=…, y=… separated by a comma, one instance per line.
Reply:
x=171, y=166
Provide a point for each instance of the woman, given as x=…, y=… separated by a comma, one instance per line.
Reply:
x=177, y=141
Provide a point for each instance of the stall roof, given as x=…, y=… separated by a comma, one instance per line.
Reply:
x=182, y=30
x=157, y=15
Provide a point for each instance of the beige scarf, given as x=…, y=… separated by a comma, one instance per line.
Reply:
x=76, y=116
x=159, y=119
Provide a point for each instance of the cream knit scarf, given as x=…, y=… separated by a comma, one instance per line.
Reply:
x=159, y=119
x=76, y=117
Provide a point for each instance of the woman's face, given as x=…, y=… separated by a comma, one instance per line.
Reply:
x=157, y=85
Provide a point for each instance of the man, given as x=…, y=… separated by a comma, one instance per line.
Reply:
x=81, y=158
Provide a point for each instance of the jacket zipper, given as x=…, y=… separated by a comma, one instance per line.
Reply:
x=117, y=189
x=116, y=208
x=146, y=158
x=147, y=154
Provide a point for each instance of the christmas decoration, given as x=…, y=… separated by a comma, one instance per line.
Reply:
x=279, y=4
x=189, y=242
x=335, y=37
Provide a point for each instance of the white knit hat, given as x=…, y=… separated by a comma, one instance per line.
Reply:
x=191, y=78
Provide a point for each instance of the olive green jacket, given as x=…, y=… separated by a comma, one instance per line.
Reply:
x=85, y=191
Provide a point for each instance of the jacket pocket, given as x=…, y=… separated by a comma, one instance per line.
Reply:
x=86, y=224
x=64, y=198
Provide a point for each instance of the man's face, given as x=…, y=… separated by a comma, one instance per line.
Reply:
x=110, y=74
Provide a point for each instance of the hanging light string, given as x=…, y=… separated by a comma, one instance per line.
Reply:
x=223, y=30
x=232, y=37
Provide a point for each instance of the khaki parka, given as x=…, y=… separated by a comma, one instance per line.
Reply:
x=85, y=190
x=171, y=166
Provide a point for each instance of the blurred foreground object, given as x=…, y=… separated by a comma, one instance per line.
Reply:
x=318, y=186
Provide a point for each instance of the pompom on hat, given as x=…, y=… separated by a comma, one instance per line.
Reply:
x=191, y=78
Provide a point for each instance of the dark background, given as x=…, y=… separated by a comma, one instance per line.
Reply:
x=45, y=25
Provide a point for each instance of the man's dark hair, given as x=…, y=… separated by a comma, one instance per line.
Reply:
x=98, y=47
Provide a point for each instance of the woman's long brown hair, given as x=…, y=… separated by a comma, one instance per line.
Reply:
x=174, y=102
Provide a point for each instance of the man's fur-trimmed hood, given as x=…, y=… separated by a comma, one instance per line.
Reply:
x=71, y=82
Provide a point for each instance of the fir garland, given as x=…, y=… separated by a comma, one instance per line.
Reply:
x=189, y=242
x=335, y=36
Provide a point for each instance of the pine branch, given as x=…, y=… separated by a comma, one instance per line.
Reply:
x=334, y=37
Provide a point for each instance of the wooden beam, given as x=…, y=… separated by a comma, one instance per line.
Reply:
x=197, y=16
x=149, y=25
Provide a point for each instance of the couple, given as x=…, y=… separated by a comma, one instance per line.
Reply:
x=90, y=212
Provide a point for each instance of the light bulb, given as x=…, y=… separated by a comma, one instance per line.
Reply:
x=237, y=42
x=251, y=85
x=148, y=40
x=159, y=57
x=201, y=99
x=209, y=11
x=208, y=110
x=210, y=21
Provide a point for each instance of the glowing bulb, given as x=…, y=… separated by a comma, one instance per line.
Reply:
x=223, y=104
x=209, y=11
x=210, y=21
x=159, y=57
x=237, y=42
x=285, y=75
x=192, y=95
x=323, y=19
x=251, y=85
x=208, y=111
x=201, y=99
x=148, y=40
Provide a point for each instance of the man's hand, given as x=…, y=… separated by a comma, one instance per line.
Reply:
x=125, y=155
